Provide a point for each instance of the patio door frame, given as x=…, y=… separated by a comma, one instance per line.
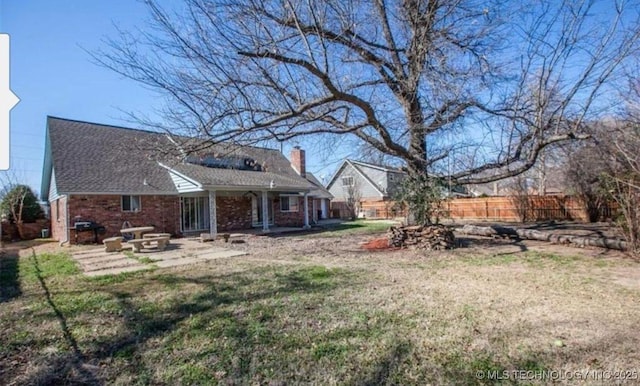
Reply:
x=256, y=210
x=201, y=213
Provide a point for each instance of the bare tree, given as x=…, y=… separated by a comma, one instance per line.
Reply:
x=495, y=80
x=608, y=168
x=353, y=195
x=369, y=154
x=622, y=179
x=584, y=171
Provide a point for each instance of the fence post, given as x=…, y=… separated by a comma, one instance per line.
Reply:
x=486, y=208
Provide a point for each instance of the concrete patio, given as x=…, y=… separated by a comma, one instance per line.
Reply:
x=183, y=251
x=97, y=262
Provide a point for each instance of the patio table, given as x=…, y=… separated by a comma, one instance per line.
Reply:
x=137, y=231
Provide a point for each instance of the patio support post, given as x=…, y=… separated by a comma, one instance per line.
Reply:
x=213, y=217
x=265, y=211
x=306, y=211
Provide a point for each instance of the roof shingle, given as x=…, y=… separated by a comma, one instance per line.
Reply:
x=95, y=158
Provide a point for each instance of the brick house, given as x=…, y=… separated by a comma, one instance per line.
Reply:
x=112, y=175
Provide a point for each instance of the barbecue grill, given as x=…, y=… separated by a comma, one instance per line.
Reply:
x=88, y=226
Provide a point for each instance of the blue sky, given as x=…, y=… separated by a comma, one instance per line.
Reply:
x=53, y=75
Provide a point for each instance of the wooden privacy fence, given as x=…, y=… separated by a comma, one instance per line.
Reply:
x=538, y=208
x=380, y=209
x=368, y=209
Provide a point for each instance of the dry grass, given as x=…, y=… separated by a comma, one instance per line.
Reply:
x=321, y=310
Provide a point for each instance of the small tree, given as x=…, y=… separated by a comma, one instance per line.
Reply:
x=21, y=205
x=584, y=172
x=622, y=179
x=625, y=191
x=353, y=196
x=609, y=170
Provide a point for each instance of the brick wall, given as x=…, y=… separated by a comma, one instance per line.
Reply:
x=58, y=219
x=290, y=219
x=233, y=213
x=30, y=230
x=298, y=161
x=7, y=231
x=162, y=212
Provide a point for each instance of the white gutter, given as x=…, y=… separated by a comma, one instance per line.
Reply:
x=127, y=193
x=256, y=187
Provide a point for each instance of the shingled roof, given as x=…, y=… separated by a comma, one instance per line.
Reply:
x=95, y=158
x=320, y=191
x=241, y=178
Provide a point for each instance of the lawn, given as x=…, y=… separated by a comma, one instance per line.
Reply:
x=349, y=317
x=356, y=227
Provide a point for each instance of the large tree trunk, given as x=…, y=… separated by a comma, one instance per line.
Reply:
x=532, y=234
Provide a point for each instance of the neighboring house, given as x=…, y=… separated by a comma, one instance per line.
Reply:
x=373, y=182
x=372, y=187
x=112, y=175
x=552, y=182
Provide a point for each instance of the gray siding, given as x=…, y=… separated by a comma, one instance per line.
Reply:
x=53, y=189
x=394, y=180
x=340, y=193
x=379, y=177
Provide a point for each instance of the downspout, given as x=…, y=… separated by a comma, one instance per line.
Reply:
x=66, y=221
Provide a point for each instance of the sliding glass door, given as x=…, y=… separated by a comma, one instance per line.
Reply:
x=256, y=211
x=195, y=213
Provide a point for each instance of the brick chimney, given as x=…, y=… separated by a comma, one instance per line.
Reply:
x=298, y=161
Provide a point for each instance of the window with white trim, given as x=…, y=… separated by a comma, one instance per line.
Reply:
x=131, y=203
x=347, y=181
x=289, y=203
